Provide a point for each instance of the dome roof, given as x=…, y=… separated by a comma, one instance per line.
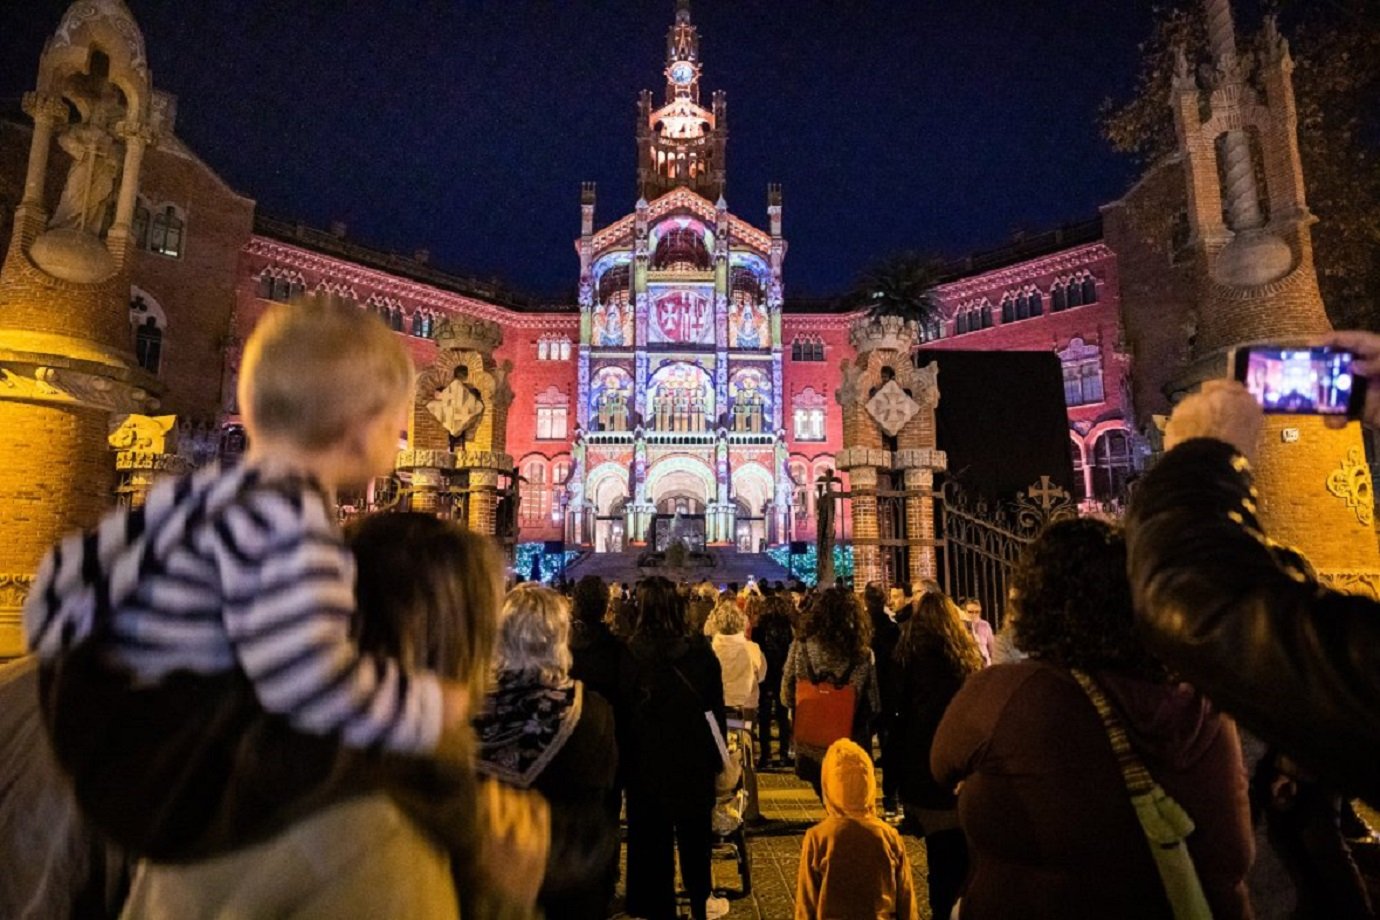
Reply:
x=103, y=16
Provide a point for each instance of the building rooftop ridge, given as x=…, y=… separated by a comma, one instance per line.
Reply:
x=330, y=243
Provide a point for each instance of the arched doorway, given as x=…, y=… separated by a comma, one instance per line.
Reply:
x=680, y=488
x=753, y=490
x=607, y=490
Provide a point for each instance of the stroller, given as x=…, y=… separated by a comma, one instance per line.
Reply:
x=727, y=821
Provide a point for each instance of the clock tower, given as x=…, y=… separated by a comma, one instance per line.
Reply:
x=681, y=144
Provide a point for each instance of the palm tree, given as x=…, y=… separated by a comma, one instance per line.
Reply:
x=902, y=284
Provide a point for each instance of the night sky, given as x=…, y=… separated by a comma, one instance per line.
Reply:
x=466, y=127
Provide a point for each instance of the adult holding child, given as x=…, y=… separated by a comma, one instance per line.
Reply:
x=431, y=837
x=185, y=643
x=542, y=730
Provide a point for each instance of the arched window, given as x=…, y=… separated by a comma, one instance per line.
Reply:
x=1113, y=463
x=418, y=323
x=961, y=323
x=148, y=345
x=986, y=315
x=140, y=228
x=1037, y=303
x=1058, y=298
x=536, y=492
x=1080, y=486
x=165, y=233
x=807, y=348
x=1008, y=309
x=1022, y=307
x=1089, y=289
x=148, y=323
x=266, y=286
x=1075, y=293
x=543, y=349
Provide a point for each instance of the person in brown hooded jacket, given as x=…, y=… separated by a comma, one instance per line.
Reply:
x=852, y=864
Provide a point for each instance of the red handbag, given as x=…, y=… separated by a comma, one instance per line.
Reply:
x=823, y=711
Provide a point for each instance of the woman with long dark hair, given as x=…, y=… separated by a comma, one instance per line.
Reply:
x=933, y=656
x=669, y=680
x=833, y=647
x=1040, y=745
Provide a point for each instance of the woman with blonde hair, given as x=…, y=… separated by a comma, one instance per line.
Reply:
x=542, y=730
x=933, y=656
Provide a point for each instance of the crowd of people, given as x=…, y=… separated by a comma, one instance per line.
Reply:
x=235, y=710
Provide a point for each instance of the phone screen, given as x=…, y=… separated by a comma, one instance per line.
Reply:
x=1297, y=381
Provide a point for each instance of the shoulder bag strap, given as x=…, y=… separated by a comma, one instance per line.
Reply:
x=1165, y=824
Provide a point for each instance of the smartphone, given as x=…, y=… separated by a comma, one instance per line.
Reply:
x=1300, y=380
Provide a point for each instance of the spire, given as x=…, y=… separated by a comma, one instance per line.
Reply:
x=682, y=142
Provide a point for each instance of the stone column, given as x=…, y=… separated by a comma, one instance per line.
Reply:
x=483, y=501
x=425, y=471
x=136, y=139
x=867, y=555
x=46, y=111
x=920, y=523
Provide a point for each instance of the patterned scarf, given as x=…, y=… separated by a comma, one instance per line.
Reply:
x=524, y=725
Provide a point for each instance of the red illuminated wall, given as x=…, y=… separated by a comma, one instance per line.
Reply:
x=1097, y=325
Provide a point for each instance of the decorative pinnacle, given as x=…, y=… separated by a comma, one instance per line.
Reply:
x=1221, y=31
x=682, y=11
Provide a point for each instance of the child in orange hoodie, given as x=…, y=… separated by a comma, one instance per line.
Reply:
x=853, y=865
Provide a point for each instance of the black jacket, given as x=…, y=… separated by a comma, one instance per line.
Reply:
x=925, y=683
x=594, y=652
x=1295, y=662
x=666, y=685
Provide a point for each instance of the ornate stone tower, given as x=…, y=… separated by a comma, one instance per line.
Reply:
x=458, y=428
x=1257, y=282
x=891, y=457
x=681, y=144
x=66, y=360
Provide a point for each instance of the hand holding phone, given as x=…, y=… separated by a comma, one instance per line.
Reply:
x=1366, y=367
x=1301, y=379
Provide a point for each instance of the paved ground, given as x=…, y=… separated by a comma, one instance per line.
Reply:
x=774, y=848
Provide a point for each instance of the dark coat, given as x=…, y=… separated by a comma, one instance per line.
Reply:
x=1294, y=661
x=594, y=652
x=666, y=685
x=584, y=833
x=885, y=635
x=924, y=684
x=1050, y=827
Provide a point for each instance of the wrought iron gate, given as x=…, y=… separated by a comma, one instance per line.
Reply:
x=982, y=540
x=891, y=529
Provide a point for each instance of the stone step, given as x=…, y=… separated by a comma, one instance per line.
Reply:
x=729, y=566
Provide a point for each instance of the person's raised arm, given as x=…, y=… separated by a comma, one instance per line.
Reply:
x=1297, y=663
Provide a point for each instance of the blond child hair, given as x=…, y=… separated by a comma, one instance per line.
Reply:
x=318, y=368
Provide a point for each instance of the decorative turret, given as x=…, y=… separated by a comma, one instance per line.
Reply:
x=1260, y=284
x=68, y=362
x=682, y=143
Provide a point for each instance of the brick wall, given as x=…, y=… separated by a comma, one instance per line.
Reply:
x=196, y=290
x=1159, y=283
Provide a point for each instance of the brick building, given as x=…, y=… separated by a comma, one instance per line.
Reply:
x=682, y=379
